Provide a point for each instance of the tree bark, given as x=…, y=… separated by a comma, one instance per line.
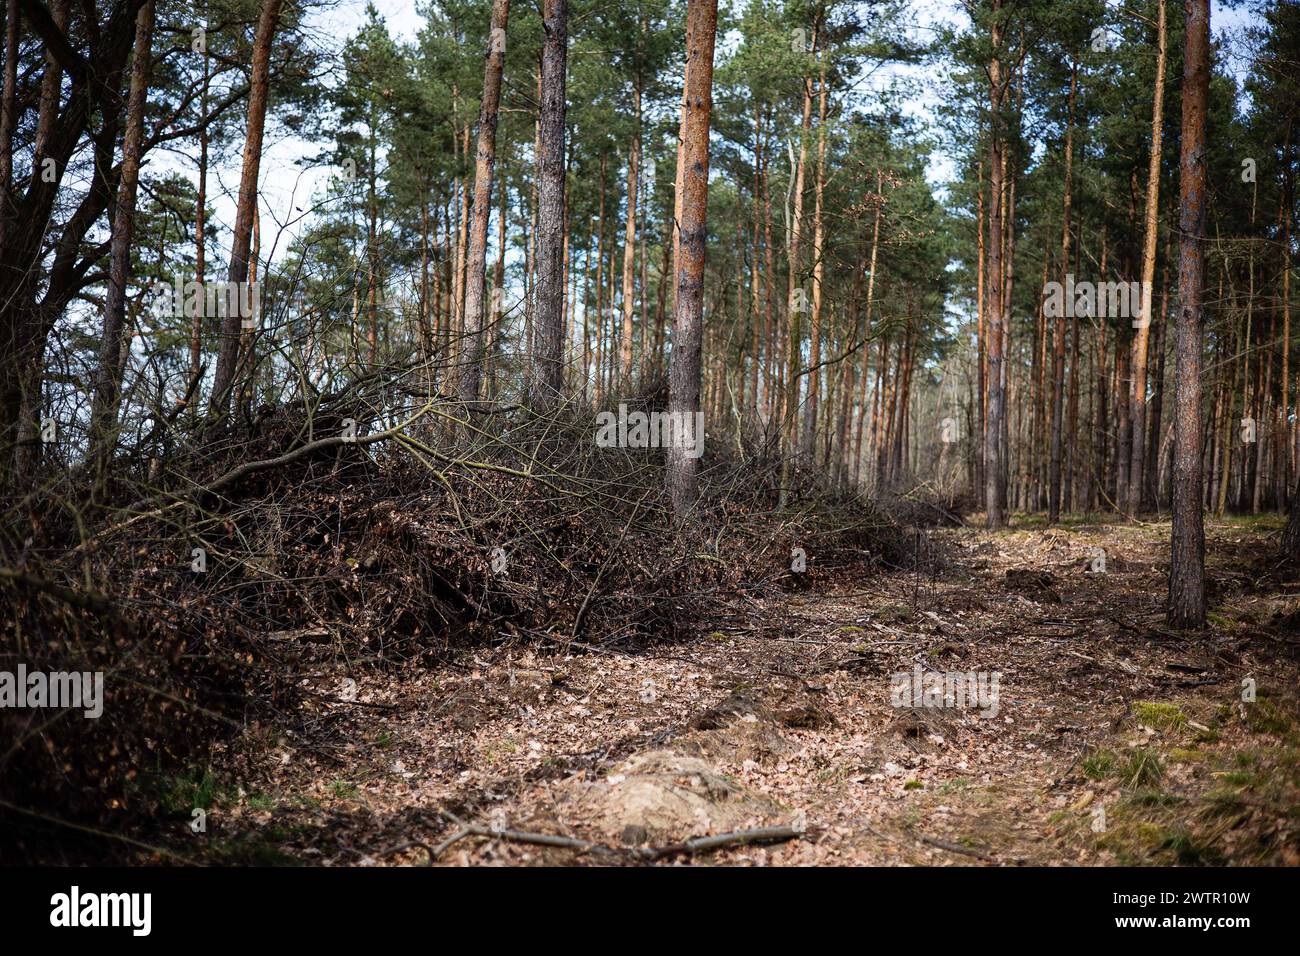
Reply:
x=485, y=159
x=794, y=298
x=200, y=224
x=1187, y=544
x=629, y=240
x=1058, y=340
x=241, y=240
x=548, y=325
x=808, y=435
x=108, y=382
x=1138, y=386
x=688, y=312
x=993, y=448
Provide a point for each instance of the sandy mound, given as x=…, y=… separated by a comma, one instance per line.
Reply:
x=662, y=795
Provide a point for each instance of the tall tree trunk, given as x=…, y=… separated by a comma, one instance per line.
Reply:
x=1187, y=545
x=108, y=381
x=866, y=334
x=200, y=224
x=757, y=336
x=1291, y=534
x=548, y=326
x=485, y=160
x=688, y=313
x=9, y=117
x=372, y=245
x=993, y=448
x=795, y=303
x=981, y=337
x=497, y=317
x=819, y=269
x=1287, y=449
x=1072, y=462
x=462, y=245
x=1138, y=387
x=1156, y=405
x=629, y=239
x=597, y=391
x=1058, y=340
x=259, y=84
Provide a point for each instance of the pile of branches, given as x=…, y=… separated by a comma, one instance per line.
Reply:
x=206, y=583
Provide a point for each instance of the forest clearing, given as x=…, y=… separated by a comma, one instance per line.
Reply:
x=645, y=436
x=782, y=719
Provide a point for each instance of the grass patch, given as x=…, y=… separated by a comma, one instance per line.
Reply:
x=1099, y=765
x=1141, y=767
x=1265, y=717
x=343, y=790
x=188, y=790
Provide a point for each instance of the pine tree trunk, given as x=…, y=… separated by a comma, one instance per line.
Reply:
x=1187, y=545
x=809, y=432
x=629, y=240
x=866, y=334
x=993, y=449
x=688, y=314
x=485, y=160
x=1138, y=391
x=259, y=85
x=108, y=379
x=200, y=224
x=1058, y=339
x=548, y=325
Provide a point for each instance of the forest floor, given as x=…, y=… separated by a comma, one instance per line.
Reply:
x=1115, y=740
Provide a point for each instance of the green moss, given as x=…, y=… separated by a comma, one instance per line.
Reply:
x=1159, y=716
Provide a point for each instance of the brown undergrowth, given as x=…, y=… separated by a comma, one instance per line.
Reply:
x=1116, y=740
x=216, y=585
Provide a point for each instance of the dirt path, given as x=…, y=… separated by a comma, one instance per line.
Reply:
x=1114, y=739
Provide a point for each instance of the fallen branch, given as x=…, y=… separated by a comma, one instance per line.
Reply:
x=735, y=838
x=955, y=848
x=648, y=854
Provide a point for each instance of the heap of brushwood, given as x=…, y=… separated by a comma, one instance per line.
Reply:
x=210, y=573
